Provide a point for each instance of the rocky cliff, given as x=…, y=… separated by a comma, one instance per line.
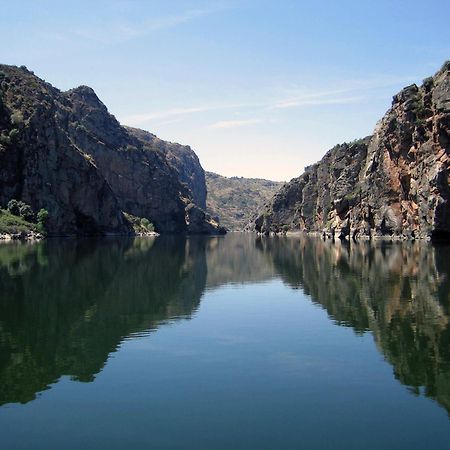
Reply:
x=183, y=159
x=64, y=152
x=394, y=183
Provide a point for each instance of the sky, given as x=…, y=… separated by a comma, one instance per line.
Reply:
x=258, y=88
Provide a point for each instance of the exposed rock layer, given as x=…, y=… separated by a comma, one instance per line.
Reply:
x=183, y=159
x=394, y=183
x=64, y=152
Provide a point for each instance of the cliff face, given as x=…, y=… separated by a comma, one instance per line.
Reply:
x=185, y=161
x=64, y=152
x=394, y=183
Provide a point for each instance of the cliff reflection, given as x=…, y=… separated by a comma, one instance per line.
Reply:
x=66, y=305
x=399, y=291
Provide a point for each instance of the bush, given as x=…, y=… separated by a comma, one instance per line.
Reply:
x=26, y=212
x=17, y=118
x=14, y=207
x=147, y=224
x=42, y=219
x=18, y=208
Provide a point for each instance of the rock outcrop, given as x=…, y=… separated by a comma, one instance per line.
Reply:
x=64, y=152
x=392, y=184
x=184, y=159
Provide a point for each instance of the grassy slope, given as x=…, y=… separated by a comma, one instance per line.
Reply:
x=235, y=199
x=10, y=224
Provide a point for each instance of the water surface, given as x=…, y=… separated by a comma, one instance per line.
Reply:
x=224, y=342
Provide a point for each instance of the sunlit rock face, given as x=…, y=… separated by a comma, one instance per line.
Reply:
x=183, y=159
x=394, y=183
x=63, y=151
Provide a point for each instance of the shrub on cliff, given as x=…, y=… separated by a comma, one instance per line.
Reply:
x=26, y=212
x=147, y=224
x=42, y=219
x=19, y=208
x=14, y=207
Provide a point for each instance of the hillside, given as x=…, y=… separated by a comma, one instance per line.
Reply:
x=392, y=184
x=233, y=200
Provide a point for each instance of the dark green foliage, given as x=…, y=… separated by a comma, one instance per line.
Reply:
x=14, y=207
x=428, y=82
x=42, y=219
x=26, y=212
x=420, y=114
x=19, y=208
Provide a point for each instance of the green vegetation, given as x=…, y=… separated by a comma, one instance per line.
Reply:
x=141, y=225
x=42, y=219
x=234, y=200
x=20, y=217
x=21, y=209
x=147, y=224
x=420, y=112
x=12, y=224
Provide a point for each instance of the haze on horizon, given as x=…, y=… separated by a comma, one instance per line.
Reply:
x=256, y=88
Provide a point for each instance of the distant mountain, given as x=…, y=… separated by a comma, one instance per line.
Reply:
x=64, y=152
x=393, y=184
x=233, y=200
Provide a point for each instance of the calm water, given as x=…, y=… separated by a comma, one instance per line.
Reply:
x=234, y=342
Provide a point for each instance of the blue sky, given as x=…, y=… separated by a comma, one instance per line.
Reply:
x=257, y=88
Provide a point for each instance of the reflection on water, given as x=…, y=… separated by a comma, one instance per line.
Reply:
x=65, y=306
x=398, y=291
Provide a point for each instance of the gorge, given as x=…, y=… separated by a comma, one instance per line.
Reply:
x=65, y=153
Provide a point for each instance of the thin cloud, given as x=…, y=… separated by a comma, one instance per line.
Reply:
x=317, y=102
x=235, y=123
x=175, y=112
x=124, y=31
x=352, y=91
